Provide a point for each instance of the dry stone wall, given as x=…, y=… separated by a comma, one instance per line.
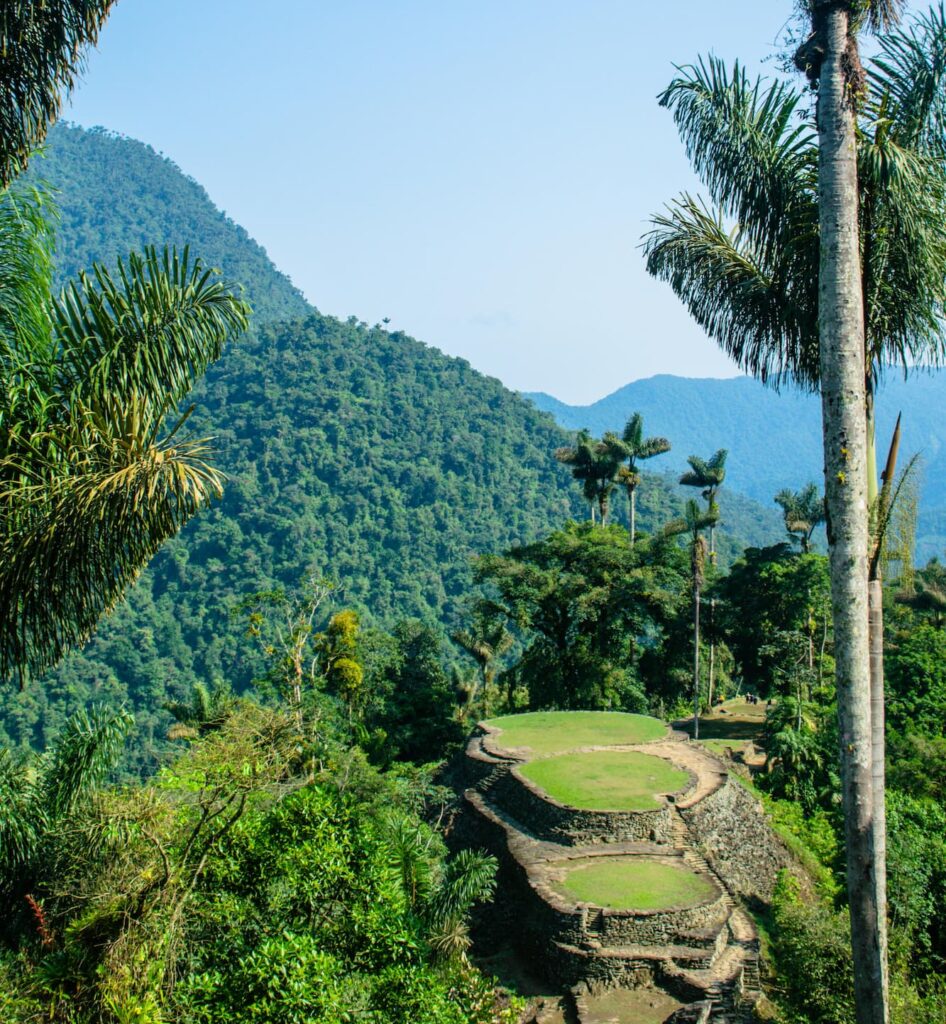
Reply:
x=732, y=832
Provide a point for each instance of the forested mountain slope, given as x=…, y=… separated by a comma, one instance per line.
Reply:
x=116, y=194
x=774, y=438
x=365, y=455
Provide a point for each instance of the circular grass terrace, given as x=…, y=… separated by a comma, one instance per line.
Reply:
x=553, y=732
x=606, y=780
x=635, y=883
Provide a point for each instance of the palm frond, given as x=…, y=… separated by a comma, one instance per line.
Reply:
x=41, y=52
x=81, y=513
x=743, y=141
x=85, y=752
x=760, y=308
x=154, y=329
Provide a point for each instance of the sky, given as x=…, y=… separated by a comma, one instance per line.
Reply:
x=478, y=171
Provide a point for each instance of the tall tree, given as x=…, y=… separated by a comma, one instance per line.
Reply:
x=709, y=477
x=634, y=448
x=486, y=640
x=594, y=465
x=752, y=287
x=42, y=46
x=693, y=523
x=95, y=469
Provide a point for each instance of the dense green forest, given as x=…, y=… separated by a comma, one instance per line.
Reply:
x=351, y=451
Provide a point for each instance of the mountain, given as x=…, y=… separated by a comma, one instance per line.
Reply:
x=774, y=438
x=116, y=195
x=362, y=454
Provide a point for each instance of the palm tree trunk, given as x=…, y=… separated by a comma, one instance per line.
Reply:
x=632, y=501
x=878, y=752
x=696, y=662
x=841, y=330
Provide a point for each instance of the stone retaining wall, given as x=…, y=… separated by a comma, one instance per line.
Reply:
x=548, y=916
x=572, y=826
x=732, y=832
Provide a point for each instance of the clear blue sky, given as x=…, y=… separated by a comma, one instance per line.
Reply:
x=479, y=171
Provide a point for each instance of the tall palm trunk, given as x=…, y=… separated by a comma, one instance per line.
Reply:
x=712, y=619
x=841, y=329
x=696, y=660
x=632, y=511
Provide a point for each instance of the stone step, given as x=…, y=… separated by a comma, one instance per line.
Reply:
x=723, y=971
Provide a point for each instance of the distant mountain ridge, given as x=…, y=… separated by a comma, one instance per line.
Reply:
x=773, y=438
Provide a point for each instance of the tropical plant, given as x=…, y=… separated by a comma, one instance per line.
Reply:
x=205, y=712
x=594, y=465
x=634, y=448
x=92, y=481
x=486, y=640
x=753, y=287
x=803, y=512
x=42, y=46
x=693, y=523
x=40, y=795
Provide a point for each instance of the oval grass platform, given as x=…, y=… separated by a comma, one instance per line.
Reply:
x=550, y=732
x=635, y=883
x=606, y=780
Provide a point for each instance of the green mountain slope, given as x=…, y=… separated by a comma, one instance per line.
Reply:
x=116, y=194
x=363, y=454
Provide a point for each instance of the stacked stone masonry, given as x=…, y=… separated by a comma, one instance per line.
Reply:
x=703, y=954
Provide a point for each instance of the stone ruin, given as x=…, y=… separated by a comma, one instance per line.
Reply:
x=704, y=954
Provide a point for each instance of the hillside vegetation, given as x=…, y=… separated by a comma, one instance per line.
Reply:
x=363, y=455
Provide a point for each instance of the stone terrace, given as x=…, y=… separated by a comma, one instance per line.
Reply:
x=703, y=953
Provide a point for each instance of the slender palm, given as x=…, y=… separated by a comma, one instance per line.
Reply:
x=803, y=512
x=486, y=641
x=753, y=289
x=693, y=523
x=709, y=477
x=42, y=46
x=92, y=478
x=634, y=448
x=595, y=465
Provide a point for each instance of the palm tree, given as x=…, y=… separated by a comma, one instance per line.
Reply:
x=41, y=793
x=694, y=522
x=207, y=711
x=42, y=47
x=753, y=289
x=634, y=447
x=486, y=641
x=803, y=512
x=709, y=477
x=595, y=465
x=92, y=478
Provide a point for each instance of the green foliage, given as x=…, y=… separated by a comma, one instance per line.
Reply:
x=43, y=47
x=773, y=606
x=264, y=876
x=587, y=604
x=916, y=678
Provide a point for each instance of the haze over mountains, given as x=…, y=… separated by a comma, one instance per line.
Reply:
x=774, y=438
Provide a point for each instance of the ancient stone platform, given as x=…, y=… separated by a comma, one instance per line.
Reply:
x=703, y=952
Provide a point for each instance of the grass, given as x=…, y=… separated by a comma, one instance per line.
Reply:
x=549, y=732
x=635, y=883
x=606, y=780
